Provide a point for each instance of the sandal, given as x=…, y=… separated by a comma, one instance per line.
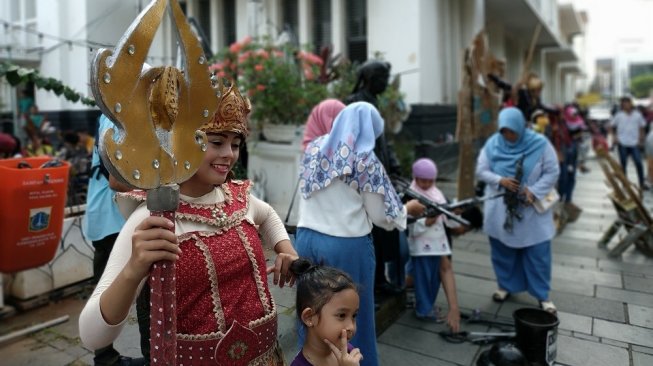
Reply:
x=549, y=307
x=500, y=295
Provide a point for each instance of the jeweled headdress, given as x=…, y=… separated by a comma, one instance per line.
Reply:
x=232, y=111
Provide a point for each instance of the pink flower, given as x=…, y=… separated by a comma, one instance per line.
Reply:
x=244, y=56
x=247, y=40
x=260, y=87
x=221, y=74
x=277, y=53
x=235, y=47
x=258, y=67
x=216, y=67
x=263, y=53
x=308, y=73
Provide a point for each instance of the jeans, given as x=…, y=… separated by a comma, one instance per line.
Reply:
x=567, y=179
x=633, y=151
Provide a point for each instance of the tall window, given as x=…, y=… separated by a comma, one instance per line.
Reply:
x=357, y=30
x=229, y=21
x=321, y=24
x=290, y=17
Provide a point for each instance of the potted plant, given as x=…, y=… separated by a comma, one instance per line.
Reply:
x=280, y=80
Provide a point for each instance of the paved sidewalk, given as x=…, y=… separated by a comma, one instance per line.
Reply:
x=605, y=305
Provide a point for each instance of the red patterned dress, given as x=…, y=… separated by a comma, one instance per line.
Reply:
x=225, y=312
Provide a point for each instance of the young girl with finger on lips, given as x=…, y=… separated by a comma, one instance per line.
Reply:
x=327, y=305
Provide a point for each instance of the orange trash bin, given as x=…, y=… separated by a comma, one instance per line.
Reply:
x=32, y=202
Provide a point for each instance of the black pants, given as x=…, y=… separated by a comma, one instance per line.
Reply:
x=108, y=355
x=386, y=248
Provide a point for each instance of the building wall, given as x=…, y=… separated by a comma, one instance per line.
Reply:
x=426, y=50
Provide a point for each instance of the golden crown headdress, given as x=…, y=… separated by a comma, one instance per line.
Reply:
x=231, y=113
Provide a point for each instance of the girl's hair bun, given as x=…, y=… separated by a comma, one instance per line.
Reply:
x=301, y=266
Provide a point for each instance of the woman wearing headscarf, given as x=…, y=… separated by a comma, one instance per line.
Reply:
x=520, y=236
x=321, y=119
x=344, y=190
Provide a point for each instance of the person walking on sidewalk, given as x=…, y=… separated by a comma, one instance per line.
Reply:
x=628, y=134
x=521, y=249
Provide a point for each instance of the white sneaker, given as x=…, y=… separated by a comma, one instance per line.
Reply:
x=549, y=306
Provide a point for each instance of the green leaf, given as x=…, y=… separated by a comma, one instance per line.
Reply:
x=13, y=78
x=40, y=82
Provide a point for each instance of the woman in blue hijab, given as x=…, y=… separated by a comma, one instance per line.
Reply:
x=520, y=236
x=344, y=190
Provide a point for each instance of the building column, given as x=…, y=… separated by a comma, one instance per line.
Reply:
x=216, y=8
x=305, y=22
x=338, y=26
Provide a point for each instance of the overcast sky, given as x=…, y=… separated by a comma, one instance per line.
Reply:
x=617, y=27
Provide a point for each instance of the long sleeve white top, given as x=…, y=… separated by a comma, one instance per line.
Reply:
x=340, y=210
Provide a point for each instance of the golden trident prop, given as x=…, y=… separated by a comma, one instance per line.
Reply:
x=157, y=112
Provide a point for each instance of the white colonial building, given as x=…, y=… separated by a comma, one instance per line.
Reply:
x=422, y=39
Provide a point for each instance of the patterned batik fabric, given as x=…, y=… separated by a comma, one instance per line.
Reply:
x=361, y=171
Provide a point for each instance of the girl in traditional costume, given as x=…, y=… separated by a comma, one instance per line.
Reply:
x=225, y=312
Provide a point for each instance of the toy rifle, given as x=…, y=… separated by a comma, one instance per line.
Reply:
x=433, y=208
x=512, y=200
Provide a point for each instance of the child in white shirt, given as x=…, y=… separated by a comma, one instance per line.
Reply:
x=430, y=251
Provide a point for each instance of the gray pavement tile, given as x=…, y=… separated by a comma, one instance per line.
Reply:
x=287, y=336
x=631, y=297
x=30, y=352
x=579, y=352
x=623, y=332
x=572, y=248
x=626, y=267
x=588, y=276
x=641, y=349
x=589, y=306
x=475, y=285
x=391, y=355
x=586, y=337
x=470, y=301
x=575, y=261
x=565, y=332
x=474, y=270
x=641, y=284
x=640, y=315
x=575, y=322
x=612, y=342
x=572, y=233
x=428, y=344
x=642, y=359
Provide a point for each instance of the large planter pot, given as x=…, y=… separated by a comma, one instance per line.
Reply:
x=282, y=133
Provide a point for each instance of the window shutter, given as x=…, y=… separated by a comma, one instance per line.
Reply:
x=290, y=16
x=229, y=21
x=321, y=24
x=357, y=30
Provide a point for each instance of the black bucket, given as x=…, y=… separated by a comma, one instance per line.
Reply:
x=537, y=334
